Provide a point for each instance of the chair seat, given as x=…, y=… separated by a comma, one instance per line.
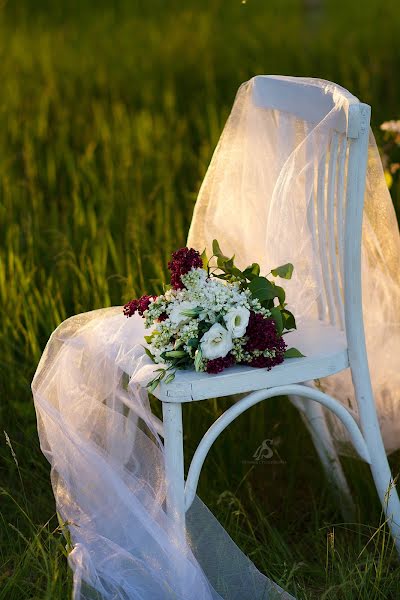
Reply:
x=324, y=347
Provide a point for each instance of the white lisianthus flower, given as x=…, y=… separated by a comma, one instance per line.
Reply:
x=178, y=314
x=216, y=342
x=236, y=320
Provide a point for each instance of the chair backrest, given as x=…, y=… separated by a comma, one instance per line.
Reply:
x=337, y=190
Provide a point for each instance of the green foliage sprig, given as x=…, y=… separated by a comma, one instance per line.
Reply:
x=270, y=295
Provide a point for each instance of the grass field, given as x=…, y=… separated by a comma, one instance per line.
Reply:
x=109, y=113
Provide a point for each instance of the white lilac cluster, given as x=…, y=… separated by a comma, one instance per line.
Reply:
x=208, y=314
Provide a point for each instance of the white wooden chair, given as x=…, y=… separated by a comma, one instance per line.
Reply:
x=331, y=344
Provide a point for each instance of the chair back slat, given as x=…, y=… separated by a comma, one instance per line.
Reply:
x=334, y=183
x=338, y=248
x=311, y=190
x=340, y=196
x=326, y=183
x=332, y=222
x=330, y=227
x=323, y=239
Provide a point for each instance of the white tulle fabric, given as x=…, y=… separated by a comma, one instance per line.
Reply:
x=107, y=468
x=255, y=199
x=95, y=423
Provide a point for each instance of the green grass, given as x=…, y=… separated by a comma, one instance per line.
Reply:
x=109, y=113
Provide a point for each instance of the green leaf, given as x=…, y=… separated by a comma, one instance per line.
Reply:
x=237, y=273
x=204, y=259
x=216, y=249
x=289, y=321
x=197, y=359
x=276, y=314
x=227, y=265
x=149, y=354
x=293, y=353
x=175, y=354
x=268, y=304
x=262, y=289
x=170, y=378
x=224, y=262
x=221, y=262
x=284, y=271
x=151, y=386
x=192, y=312
x=181, y=363
x=280, y=292
x=193, y=343
x=148, y=338
x=252, y=271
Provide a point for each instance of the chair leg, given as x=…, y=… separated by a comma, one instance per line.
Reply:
x=174, y=465
x=314, y=418
x=380, y=469
x=386, y=489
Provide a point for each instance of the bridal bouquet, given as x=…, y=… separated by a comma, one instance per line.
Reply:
x=213, y=316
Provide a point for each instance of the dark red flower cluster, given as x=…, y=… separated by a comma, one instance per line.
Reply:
x=261, y=333
x=182, y=262
x=262, y=336
x=268, y=362
x=219, y=364
x=138, y=306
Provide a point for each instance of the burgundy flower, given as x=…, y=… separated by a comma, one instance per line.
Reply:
x=261, y=333
x=268, y=362
x=262, y=336
x=138, y=306
x=131, y=308
x=162, y=317
x=182, y=262
x=219, y=364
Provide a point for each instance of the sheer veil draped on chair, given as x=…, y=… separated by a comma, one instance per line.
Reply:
x=95, y=423
x=256, y=198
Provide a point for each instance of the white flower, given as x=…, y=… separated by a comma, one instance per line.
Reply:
x=236, y=320
x=392, y=126
x=177, y=314
x=216, y=342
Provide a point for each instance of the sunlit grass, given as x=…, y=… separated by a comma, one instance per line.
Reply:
x=108, y=118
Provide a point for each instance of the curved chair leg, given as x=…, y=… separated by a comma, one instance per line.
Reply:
x=314, y=418
x=254, y=398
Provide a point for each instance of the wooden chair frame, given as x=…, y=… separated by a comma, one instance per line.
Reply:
x=336, y=222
